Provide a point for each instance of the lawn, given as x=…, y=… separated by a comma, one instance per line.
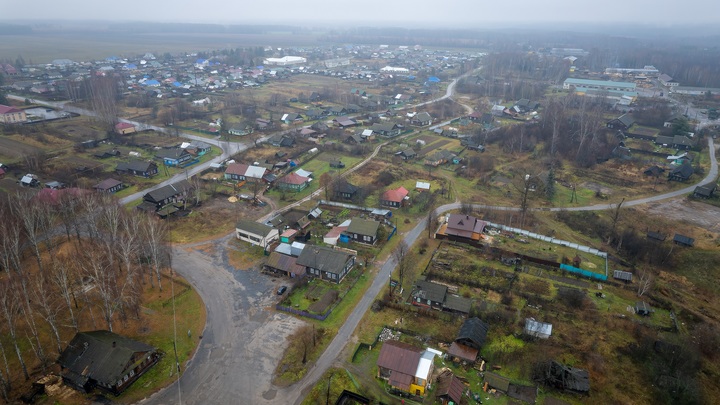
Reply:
x=190, y=315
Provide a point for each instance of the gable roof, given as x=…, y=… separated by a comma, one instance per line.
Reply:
x=627, y=120
x=430, y=291
x=108, y=184
x=237, y=169
x=174, y=153
x=474, y=332
x=396, y=195
x=4, y=109
x=463, y=352
x=464, y=225
x=285, y=263
x=101, y=355
x=135, y=165
x=168, y=191
x=363, y=227
x=399, y=357
x=253, y=227
x=324, y=259
x=293, y=178
x=450, y=386
x=422, y=117
x=684, y=171
x=345, y=187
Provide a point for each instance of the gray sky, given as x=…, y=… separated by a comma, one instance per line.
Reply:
x=452, y=13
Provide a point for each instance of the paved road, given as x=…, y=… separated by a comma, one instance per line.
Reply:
x=381, y=278
x=236, y=358
x=240, y=347
x=228, y=148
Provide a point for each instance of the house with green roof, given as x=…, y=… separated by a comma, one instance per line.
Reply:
x=363, y=230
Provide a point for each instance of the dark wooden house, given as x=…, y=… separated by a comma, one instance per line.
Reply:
x=105, y=360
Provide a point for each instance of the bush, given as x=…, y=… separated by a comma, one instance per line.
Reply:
x=572, y=297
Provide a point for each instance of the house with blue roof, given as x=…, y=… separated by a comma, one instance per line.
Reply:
x=151, y=83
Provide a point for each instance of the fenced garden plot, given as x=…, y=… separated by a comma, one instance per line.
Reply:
x=316, y=298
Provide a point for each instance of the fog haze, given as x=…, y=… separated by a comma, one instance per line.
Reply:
x=454, y=14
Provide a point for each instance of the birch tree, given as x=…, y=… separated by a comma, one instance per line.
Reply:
x=154, y=232
x=62, y=277
x=46, y=300
x=9, y=305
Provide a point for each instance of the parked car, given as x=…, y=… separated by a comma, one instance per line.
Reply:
x=281, y=290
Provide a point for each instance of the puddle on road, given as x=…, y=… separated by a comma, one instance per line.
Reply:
x=269, y=394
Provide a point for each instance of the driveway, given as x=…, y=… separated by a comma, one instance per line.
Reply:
x=243, y=339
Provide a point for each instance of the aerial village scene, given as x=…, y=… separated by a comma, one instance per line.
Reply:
x=274, y=214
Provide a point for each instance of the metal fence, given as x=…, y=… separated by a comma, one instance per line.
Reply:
x=550, y=239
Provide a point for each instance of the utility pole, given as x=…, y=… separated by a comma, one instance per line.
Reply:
x=524, y=202
x=327, y=397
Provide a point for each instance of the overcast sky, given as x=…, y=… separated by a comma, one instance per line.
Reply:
x=451, y=13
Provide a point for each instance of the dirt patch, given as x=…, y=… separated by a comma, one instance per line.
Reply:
x=11, y=149
x=78, y=132
x=215, y=218
x=427, y=138
x=323, y=303
x=424, y=151
x=596, y=187
x=152, y=139
x=694, y=213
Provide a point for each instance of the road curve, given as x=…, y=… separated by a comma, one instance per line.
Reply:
x=204, y=376
x=381, y=278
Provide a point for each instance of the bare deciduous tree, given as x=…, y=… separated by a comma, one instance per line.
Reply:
x=154, y=231
x=62, y=277
x=10, y=306
x=645, y=282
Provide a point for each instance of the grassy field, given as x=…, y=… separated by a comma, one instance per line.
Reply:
x=44, y=47
x=190, y=313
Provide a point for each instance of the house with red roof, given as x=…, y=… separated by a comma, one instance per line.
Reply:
x=394, y=198
x=293, y=182
x=405, y=367
x=12, y=115
x=124, y=128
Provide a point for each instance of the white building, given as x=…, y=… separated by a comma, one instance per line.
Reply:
x=285, y=61
x=392, y=69
x=256, y=233
x=332, y=63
